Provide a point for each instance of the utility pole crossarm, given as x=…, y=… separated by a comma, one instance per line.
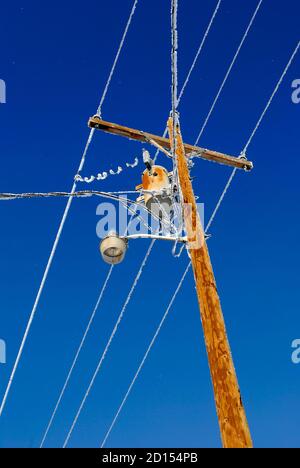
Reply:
x=116, y=129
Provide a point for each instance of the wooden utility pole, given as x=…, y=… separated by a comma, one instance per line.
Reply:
x=231, y=414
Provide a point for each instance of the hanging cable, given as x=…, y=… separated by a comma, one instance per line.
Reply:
x=146, y=354
x=229, y=71
x=109, y=342
x=62, y=223
x=233, y=173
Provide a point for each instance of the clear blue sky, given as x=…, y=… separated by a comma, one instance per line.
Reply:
x=55, y=58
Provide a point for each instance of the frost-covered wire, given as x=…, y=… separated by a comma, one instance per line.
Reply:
x=146, y=354
x=77, y=354
x=114, y=196
x=62, y=222
x=233, y=173
x=271, y=98
x=44, y=278
x=228, y=71
x=117, y=57
x=98, y=302
x=191, y=68
x=109, y=341
x=199, y=50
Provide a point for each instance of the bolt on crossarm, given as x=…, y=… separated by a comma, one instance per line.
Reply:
x=231, y=414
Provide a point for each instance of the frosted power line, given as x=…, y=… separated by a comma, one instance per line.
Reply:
x=62, y=223
x=272, y=97
x=8, y=196
x=117, y=58
x=146, y=354
x=199, y=50
x=229, y=71
x=104, y=286
x=44, y=278
x=109, y=341
x=233, y=173
x=192, y=67
x=77, y=354
x=221, y=198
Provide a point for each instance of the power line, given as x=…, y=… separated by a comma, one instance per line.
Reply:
x=77, y=354
x=109, y=342
x=272, y=97
x=199, y=50
x=229, y=71
x=104, y=286
x=192, y=67
x=146, y=354
x=117, y=57
x=150, y=346
x=61, y=226
x=233, y=173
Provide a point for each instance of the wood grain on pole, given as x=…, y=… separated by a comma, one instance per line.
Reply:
x=231, y=414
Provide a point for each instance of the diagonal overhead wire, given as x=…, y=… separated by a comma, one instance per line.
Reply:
x=199, y=50
x=77, y=355
x=193, y=65
x=233, y=173
x=98, y=302
x=149, y=348
x=117, y=57
x=61, y=226
x=146, y=354
x=229, y=71
x=44, y=278
x=271, y=97
x=109, y=342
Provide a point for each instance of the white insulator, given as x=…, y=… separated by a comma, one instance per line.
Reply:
x=88, y=180
x=102, y=176
x=134, y=164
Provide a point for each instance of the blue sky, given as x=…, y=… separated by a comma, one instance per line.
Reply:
x=55, y=59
